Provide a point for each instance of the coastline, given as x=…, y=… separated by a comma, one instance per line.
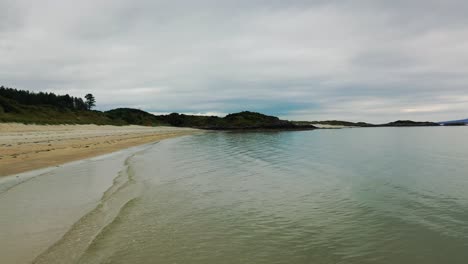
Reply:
x=81, y=196
x=31, y=147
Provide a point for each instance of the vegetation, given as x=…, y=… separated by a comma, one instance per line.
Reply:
x=49, y=108
x=134, y=117
x=31, y=98
x=11, y=111
x=90, y=101
x=244, y=120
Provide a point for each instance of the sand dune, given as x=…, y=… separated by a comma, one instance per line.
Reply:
x=28, y=147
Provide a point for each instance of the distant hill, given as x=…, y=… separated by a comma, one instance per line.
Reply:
x=399, y=123
x=238, y=121
x=134, y=117
x=462, y=122
x=408, y=123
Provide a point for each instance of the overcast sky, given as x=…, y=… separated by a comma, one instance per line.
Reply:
x=372, y=61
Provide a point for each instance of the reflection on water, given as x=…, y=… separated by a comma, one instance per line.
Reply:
x=384, y=195
x=335, y=196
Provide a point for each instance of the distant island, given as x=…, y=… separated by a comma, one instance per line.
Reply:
x=399, y=123
x=462, y=122
x=48, y=108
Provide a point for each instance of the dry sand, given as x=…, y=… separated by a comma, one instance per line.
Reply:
x=29, y=147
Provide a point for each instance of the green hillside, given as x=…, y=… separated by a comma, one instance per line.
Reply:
x=134, y=117
x=243, y=120
x=12, y=111
x=48, y=108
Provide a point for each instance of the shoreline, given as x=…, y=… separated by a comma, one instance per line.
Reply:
x=53, y=202
x=50, y=202
x=32, y=147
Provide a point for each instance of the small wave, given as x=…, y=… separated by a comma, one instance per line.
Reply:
x=80, y=236
x=104, y=256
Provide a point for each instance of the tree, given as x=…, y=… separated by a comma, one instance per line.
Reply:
x=90, y=101
x=42, y=98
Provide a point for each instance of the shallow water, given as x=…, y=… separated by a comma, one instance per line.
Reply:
x=374, y=195
x=38, y=207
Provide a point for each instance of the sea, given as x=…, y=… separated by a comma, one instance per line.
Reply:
x=360, y=195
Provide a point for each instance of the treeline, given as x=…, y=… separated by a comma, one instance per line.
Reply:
x=41, y=98
x=49, y=108
x=245, y=120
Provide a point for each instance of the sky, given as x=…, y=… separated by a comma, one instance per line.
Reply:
x=373, y=61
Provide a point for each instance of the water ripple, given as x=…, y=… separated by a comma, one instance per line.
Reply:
x=348, y=196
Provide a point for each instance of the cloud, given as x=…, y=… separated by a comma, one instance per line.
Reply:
x=373, y=61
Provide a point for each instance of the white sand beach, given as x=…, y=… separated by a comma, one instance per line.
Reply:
x=44, y=201
x=29, y=147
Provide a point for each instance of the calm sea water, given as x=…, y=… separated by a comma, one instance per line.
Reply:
x=376, y=195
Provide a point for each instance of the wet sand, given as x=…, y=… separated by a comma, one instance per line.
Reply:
x=29, y=147
x=42, y=207
x=47, y=201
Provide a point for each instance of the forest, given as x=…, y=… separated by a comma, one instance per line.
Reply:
x=60, y=101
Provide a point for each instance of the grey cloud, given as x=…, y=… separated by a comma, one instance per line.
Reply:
x=360, y=60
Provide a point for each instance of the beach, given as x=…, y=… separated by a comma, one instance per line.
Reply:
x=30, y=147
x=58, y=176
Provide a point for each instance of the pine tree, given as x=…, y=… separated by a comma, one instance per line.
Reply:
x=90, y=101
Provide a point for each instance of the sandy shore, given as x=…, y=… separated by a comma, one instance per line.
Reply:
x=29, y=147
